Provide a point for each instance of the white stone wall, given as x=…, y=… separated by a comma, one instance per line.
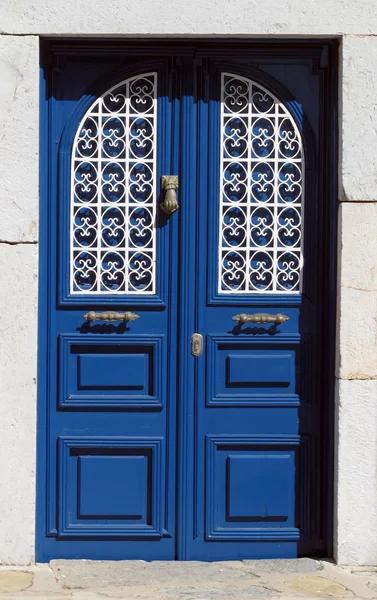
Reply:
x=356, y=369
x=197, y=17
x=19, y=123
x=21, y=22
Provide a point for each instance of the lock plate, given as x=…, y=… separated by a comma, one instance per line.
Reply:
x=196, y=344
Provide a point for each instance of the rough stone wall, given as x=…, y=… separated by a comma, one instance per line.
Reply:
x=176, y=17
x=19, y=124
x=21, y=22
x=356, y=370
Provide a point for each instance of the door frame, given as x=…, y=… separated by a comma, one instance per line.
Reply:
x=324, y=56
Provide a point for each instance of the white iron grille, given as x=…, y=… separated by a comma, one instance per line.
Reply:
x=261, y=192
x=113, y=192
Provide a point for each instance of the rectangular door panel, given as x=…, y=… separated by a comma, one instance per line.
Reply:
x=107, y=373
x=251, y=487
x=253, y=372
x=110, y=487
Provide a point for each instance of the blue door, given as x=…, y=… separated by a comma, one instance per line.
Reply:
x=181, y=382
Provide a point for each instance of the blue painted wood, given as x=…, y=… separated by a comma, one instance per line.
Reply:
x=110, y=384
x=149, y=350
x=113, y=487
x=141, y=495
x=187, y=319
x=257, y=387
x=145, y=451
x=109, y=371
x=221, y=390
x=260, y=370
x=258, y=474
x=268, y=479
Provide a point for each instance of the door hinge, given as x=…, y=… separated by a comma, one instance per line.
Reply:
x=196, y=344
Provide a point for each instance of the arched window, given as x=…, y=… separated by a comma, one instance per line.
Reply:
x=113, y=203
x=261, y=192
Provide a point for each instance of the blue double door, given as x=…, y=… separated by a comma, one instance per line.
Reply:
x=155, y=443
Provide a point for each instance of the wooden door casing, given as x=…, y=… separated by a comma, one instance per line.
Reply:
x=200, y=435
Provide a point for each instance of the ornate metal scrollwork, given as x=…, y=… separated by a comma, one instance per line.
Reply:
x=169, y=183
x=261, y=195
x=260, y=318
x=113, y=192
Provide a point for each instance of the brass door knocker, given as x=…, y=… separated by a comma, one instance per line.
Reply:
x=169, y=183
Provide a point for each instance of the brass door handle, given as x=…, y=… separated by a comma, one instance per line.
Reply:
x=110, y=315
x=260, y=318
x=169, y=183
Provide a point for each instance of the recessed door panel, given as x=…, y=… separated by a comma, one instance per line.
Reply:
x=253, y=371
x=102, y=373
x=109, y=487
x=264, y=469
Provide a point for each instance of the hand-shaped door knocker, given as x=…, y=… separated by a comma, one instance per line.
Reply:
x=169, y=183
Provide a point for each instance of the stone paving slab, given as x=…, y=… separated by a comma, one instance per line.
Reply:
x=300, y=565
x=77, y=574
x=15, y=581
x=233, y=580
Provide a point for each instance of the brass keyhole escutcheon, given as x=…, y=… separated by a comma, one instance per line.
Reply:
x=196, y=344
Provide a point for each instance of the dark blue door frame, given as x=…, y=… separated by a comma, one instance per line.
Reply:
x=323, y=55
